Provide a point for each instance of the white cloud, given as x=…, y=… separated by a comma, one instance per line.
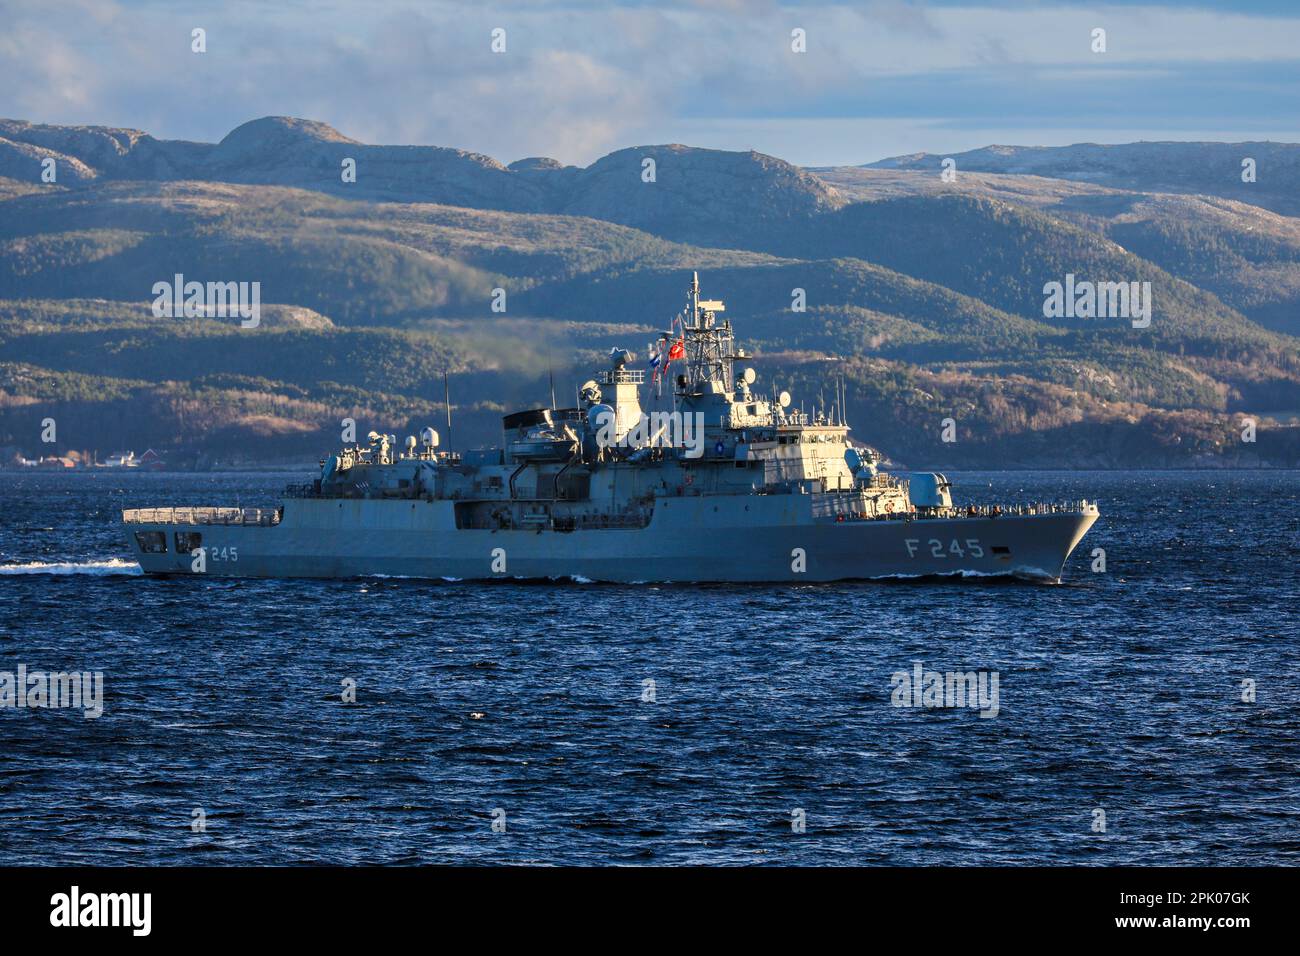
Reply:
x=581, y=78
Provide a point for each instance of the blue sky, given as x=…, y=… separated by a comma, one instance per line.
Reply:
x=580, y=78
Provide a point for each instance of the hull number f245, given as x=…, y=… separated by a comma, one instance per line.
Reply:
x=938, y=549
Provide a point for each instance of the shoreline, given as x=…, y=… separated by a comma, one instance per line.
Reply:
x=283, y=469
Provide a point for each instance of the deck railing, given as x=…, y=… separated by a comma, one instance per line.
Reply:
x=839, y=507
x=245, y=516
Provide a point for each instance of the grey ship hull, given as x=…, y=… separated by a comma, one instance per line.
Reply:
x=688, y=539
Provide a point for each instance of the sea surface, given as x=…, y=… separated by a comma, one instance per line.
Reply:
x=225, y=738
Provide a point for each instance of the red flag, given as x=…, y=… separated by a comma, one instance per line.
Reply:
x=677, y=350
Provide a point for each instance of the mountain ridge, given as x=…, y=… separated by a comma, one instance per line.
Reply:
x=1198, y=167
x=929, y=294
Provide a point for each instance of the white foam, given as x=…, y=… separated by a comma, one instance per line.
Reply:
x=111, y=566
x=1024, y=573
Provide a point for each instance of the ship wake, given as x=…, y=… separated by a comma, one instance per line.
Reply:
x=109, y=567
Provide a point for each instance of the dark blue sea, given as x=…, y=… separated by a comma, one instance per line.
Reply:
x=521, y=704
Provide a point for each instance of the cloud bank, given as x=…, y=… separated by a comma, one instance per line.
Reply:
x=579, y=79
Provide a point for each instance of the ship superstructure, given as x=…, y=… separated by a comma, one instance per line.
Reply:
x=709, y=481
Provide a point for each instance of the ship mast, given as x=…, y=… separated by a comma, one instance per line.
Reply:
x=709, y=346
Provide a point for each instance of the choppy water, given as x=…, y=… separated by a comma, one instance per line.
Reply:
x=1118, y=691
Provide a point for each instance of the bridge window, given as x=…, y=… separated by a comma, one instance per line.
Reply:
x=151, y=542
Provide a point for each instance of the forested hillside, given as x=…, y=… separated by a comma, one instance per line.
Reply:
x=438, y=262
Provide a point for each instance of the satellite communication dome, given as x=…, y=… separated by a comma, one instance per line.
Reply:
x=749, y=376
x=600, y=415
x=784, y=399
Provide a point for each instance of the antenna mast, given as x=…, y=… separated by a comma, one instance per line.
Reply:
x=550, y=370
x=710, y=345
x=446, y=402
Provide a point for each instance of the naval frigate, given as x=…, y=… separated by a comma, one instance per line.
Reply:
x=715, y=484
